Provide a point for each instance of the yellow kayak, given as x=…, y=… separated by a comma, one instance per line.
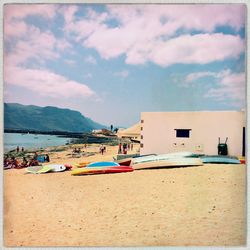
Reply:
x=81, y=164
x=101, y=170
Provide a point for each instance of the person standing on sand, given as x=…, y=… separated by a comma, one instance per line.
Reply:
x=47, y=158
x=102, y=149
x=120, y=148
x=17, y=149
x=22, y=149
x=125, y=148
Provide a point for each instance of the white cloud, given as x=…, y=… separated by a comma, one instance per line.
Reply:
x=197, y=75
x=123, y=73
x=201, y=49
x=230, y=86
x=90, y=59
x=14, y=15
x=233, y=87
x=88, y=75
x=70, y=62
x=36, y=45
x=46, y=83
x=149, y=33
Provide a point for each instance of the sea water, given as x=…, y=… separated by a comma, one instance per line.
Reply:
x=32, y=141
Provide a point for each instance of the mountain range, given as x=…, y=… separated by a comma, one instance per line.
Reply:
x=30, y=117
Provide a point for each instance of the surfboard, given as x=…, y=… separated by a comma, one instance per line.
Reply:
x=171, y=162
x=98, y=170
x=38, y=169
x=102, y=164
x=220, y=159
x=56, y=167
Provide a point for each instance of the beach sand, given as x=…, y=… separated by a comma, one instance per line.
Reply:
x=192, y=206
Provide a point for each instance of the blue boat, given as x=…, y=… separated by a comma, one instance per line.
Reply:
x=102, y=164
x=220, y=159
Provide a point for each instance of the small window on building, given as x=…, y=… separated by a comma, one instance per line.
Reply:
x=141, y=136
x=141, y=145
x=141, y=128
x=183, y=133
x=142, y=121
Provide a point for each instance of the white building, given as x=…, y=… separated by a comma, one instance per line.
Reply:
x=164, y=132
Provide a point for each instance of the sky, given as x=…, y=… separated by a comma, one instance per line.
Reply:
x=112, y=62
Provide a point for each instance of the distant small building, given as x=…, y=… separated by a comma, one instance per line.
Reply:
x=199, y=132
x=133, y=132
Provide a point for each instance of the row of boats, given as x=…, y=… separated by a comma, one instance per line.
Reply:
x=129, y=164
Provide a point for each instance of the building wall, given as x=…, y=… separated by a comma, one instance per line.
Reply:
x=159, y=134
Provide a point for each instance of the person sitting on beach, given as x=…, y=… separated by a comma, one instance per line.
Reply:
x=47, y=158
x=35, y=156
x=14, y=162
x=33, y=162
x=24, y=164
x=7, y=162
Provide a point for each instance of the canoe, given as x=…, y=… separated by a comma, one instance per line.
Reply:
x=38, y=169
x=242, y=159
x=98, y=170
x=161, y=157
x=124, y=156
x=124, y=162
x=68, y=166
x=220, y=159
x=102, y=164
x=174, y=162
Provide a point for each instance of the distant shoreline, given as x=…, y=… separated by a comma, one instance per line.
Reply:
x=59, y=133
x=82, y=137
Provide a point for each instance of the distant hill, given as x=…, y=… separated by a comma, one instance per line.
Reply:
x=30, y=117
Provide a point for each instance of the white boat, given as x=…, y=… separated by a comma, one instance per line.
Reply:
x=161, y=157
x=170, y=162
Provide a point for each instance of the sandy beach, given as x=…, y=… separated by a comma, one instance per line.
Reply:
x=192, y=206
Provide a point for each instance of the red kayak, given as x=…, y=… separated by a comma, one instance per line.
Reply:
x=68, y=166
x=106, y=170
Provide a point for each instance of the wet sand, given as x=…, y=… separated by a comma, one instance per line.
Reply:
x=192, y=206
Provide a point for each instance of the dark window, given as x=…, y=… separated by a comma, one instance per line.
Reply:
x=141, y=145
x=183, y=133
x=141, y=128
x=141, y=136
x=142, y=121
